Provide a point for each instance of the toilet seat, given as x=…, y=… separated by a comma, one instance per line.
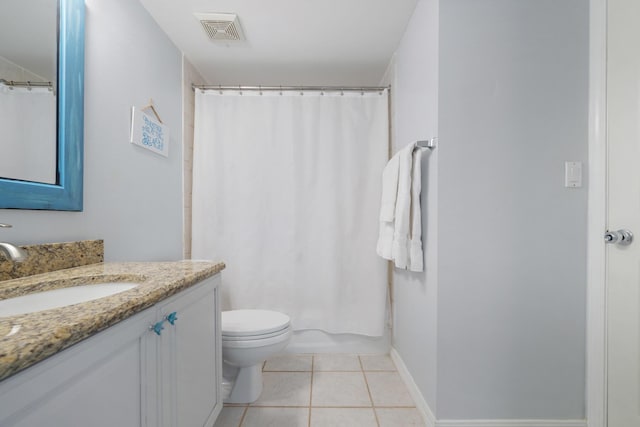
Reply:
x=253, y=324
x=257, y=342
x=254, y=337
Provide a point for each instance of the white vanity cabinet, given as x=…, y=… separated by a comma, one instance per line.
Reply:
x=94, y=383
x=128, y=375
x=189, y=351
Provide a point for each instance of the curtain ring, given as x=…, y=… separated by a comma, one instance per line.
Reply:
x=280, y=90
x=240, y=90
x=260, y=88
x=220, y=89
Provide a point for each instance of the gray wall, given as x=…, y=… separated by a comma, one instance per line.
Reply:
x=132, y=197
x=512, y=247
x=495, y=328
x=415, y=117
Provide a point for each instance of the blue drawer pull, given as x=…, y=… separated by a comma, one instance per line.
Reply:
x=158, y=327
x=172, y=317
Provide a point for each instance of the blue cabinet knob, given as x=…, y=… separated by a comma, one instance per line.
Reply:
x=172, y=317
x=158, y=327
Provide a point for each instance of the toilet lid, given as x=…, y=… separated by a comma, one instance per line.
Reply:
x=238, y=323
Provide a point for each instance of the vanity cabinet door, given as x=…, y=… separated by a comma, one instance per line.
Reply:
x=190, y=355
x=107, y=380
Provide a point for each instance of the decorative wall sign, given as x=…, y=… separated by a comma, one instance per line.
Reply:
x=149, y=132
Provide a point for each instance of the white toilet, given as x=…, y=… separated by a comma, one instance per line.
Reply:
x=249, y=337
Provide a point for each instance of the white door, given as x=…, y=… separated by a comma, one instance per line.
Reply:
x=623, y=262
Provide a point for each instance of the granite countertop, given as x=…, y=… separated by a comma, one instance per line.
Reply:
x=29, y=338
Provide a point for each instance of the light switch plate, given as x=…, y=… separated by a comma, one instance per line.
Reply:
x=573, y=174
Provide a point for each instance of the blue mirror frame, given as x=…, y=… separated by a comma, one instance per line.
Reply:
x=66, y=194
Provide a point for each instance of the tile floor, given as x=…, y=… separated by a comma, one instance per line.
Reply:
x=327, y=390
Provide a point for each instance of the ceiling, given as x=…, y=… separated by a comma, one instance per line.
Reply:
x=28, y=36
x=290, y=42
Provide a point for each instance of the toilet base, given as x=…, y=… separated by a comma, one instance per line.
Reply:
x=247, y=385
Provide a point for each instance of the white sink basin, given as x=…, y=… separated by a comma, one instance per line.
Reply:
x=56, y=298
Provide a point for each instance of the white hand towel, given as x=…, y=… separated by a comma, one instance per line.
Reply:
x=388, y=207
x=389, y=189
x=402, y=217
x=415, y=246
x=385, y=240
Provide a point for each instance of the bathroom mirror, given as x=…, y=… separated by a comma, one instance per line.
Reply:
x=48, y=146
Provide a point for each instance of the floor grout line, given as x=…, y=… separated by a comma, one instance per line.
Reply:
x=310, y=393
x=323, y=407
x=375, y=414
x=280, y=406
x=330, y=406
x=340, y=407
x=394, y=407
x=320, y=370
x=244, y=414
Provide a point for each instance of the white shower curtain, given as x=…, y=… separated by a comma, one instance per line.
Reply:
x=28, y=126
x=286, y=192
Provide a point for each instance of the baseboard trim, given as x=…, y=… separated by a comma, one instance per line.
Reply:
x=430, y=419
x=414, y=391
x=511, y=423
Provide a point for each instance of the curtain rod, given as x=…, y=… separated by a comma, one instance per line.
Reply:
x=26, y=84
x=290, y=88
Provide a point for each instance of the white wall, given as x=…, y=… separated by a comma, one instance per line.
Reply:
x=132, y=197
x=495, y=329
x=415, y=117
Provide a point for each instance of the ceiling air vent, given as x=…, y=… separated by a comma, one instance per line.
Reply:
x=221, y=26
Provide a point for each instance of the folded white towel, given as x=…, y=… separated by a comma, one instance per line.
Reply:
x=385, y=240
x=400, y=236
x=402, y=216
x=388, y=207
x=415, y=246
x=389, y=189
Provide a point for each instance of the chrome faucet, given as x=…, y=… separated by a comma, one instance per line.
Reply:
x=10, y=251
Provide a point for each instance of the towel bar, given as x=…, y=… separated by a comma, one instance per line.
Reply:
x=430, y=143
